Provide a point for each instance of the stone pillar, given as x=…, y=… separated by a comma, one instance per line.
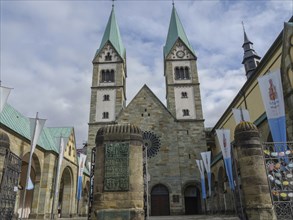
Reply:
x=118, y=187
x=257, y=200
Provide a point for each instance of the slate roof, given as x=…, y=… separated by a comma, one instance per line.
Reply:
x=112, y=35
x=176, y=31
x=20, y=124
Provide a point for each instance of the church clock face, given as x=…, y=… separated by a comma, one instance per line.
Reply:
x=180, y=54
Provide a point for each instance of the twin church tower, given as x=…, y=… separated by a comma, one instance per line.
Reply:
x=174, y=135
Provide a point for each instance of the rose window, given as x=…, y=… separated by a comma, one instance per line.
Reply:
x=152, y=143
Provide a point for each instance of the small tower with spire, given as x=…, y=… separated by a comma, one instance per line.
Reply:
x=250, y=57
x=180, y=70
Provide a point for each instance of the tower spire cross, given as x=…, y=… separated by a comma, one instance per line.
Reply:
x=113, y=3
x=173, y=2
x=243, y=26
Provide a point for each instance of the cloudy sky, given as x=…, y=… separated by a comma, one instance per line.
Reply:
x=47, y=48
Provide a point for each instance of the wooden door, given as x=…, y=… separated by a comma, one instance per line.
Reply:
x=160, y=205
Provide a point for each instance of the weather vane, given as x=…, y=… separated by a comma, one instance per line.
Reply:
x=113, y=3
x=173, y=2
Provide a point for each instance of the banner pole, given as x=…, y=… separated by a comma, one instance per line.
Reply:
x=28, y=168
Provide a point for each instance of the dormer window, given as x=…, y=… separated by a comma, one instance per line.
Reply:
x=185, y=112
x=182, y=73
x=108, y=57
x=184, y=95
x=107, y=75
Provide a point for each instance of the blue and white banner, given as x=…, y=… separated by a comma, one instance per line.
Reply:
x=36, y=127
x=202, y=180
x=62, y=143
x=30, y=184
x=272, y=95
x=240, y=115
x=206, y=158
x=4, y=93
x=224, y=141
x=81, y=163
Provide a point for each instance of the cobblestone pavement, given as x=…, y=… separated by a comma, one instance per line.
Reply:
x=182, y=217
x=194, y=217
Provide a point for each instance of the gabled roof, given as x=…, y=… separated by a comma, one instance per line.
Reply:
x=20, y=124
x=60, y=131
x=154, y=98
x=176, y=31
x=112, y=35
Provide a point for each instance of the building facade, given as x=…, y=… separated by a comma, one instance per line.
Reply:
x=278, y=57
x=14, y=159
x=173, y=135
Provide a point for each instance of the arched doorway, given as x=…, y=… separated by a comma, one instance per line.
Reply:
x=65, y=193
x=32, y=193
x=192, y=200
x=160, y=204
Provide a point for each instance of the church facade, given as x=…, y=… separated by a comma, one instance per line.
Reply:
x=173, y=135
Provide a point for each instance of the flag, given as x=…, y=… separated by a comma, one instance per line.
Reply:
x=202, y=180
x=224, y=141
x=30, y=184
x=272, y=95
x=62, y=143
x=36, y=127
x=240, y=115
x=81, y=163
x=4, y=93
x=206, y=158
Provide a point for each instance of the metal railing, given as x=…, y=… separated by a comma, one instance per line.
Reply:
x=278, y=158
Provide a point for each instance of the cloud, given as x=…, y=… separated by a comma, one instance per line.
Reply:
x=47, y=48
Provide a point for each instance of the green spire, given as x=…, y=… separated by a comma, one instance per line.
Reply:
x=176, y=31
x=112, y=35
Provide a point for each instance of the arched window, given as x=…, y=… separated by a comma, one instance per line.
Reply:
x=107, y=76
x=184, y=95
x=177, y=75
x=108, y=57
x=186, y=73
x=182, y=73
x=185, y=112
x=106, y=98
x=69, y=153
x=105, y=115
x=112, y=76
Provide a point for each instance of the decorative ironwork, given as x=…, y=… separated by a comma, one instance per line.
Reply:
x=92, y=177
x=279, y=168
x=9, y=185
x=116, y=167
x=152, y=143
